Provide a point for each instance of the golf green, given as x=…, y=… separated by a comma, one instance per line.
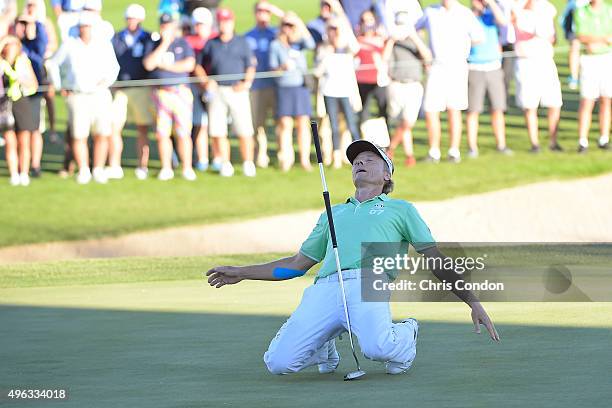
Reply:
x=178, y=342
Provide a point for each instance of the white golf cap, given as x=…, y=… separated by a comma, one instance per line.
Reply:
x=135, y=11
x=95, y=5
x=359, y=146
x=201, y=15
x=87, y=18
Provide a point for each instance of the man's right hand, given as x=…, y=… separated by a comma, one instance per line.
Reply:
x=211, y=85
x=223, y=275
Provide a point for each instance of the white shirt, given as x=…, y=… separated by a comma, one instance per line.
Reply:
x=84, y=68
x=451, y=31
x=392, y=7
x=339, y=78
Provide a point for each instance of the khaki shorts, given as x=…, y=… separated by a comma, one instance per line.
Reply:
x=404, y=100
x=263, y=103
x=486, y=83
x=135, y=101
x=447, y=87
x=225, y=100
x=90, y=112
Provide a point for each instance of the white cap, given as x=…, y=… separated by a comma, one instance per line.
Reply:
x=363, y=145
x=135, y=11
x=201, y=15
x=87, y=18
x=95, y=5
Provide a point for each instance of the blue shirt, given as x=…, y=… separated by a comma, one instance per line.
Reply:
x=227, y=58
x=259, y=40
x=354, y=8
x=177, y=51
x=129, y=49
x=317, y=29
x=170, y=6
x=489, y=50
x=35, y=50
x=69, y=5
x=280, y=54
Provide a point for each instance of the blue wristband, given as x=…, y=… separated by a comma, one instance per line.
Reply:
x=286, y=273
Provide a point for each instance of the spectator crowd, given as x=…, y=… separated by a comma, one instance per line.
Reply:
x=196, y=78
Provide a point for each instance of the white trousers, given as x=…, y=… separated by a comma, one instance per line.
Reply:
x=320, y=318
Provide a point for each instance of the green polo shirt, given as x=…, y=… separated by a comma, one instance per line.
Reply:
x=379, y=219
x=594, y=22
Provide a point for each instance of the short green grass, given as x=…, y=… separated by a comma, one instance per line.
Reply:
x=156, y=335
x=52, y=209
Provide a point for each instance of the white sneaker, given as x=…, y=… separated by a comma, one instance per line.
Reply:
x=15, y=179
x=189, y=175
x=263, y=161
x=333, y=358
x=227, y=170
x=24, y=179
x=393, y=367
x=216, y=165
x=141, y=173
x=99, y=175
x=248, y=169
x=454, y=155
x=165, y=174
x=84, y=176
x=114, y=173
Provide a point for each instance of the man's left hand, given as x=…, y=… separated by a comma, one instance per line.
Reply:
x=480, y=316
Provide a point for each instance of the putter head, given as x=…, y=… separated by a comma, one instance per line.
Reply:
x=354, y=375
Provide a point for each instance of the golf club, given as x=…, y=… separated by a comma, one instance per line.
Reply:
x=353, y=375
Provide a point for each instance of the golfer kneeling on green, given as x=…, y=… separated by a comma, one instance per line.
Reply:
x=308, y=336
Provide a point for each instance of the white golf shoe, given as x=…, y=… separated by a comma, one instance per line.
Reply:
x=248, y=169
x=99, y=175
x=189, y=175
x=141, y=173
x=84, y=175
x=333, y=358
x=227, y=170
x=15, y=179
x=165, y=174
x=114, y=172
x=393, y=367
x=24, y=179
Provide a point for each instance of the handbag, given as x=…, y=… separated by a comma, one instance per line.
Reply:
x=310, y=82
x=7, y=120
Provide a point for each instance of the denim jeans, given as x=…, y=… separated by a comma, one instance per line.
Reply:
x=332, y=105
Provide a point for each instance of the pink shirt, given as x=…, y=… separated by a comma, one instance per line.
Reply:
x=367, y=72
